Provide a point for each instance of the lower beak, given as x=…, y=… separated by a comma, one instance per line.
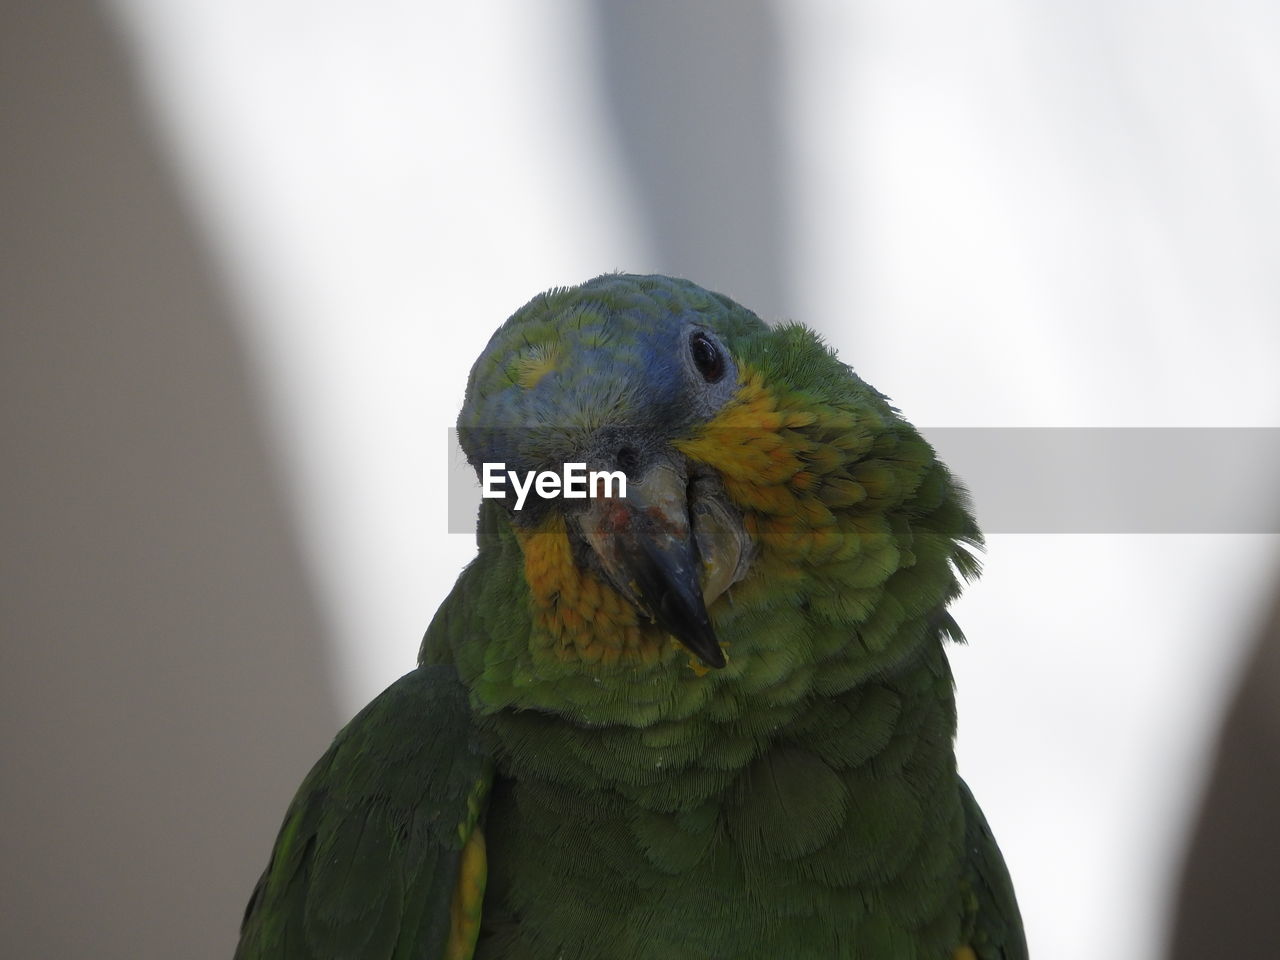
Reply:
x=648, y=550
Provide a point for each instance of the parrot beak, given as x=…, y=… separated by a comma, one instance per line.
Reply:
x=648, y=550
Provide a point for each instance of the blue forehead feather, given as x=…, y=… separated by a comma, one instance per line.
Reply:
x=608, y=353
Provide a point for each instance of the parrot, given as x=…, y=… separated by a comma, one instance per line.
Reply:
x=705, y=714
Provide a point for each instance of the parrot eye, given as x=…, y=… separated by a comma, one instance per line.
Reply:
x=706, y=357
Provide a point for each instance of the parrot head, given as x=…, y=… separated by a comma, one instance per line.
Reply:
x=761, y=475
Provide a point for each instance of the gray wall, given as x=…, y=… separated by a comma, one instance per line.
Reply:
x=161, y=687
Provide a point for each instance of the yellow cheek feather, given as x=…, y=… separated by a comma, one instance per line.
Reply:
x=785, y=467
x=756, y=449
x=576, y=616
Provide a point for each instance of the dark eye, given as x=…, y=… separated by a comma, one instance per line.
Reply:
x=706, y=357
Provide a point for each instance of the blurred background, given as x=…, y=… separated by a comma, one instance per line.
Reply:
x=252, y=248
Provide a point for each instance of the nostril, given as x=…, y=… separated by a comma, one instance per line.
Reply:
x=628, y=459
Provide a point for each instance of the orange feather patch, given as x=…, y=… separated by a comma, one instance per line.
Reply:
x=577, y=616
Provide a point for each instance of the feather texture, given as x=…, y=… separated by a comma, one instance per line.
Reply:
x=367, y=862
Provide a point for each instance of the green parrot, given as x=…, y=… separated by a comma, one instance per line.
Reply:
x=709, y=715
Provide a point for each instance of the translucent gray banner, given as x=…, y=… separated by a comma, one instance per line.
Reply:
x=1075, y=479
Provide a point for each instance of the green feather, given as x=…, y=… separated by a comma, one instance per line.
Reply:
x=366, y=862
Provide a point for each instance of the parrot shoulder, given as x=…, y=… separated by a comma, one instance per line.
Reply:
x=381, y=854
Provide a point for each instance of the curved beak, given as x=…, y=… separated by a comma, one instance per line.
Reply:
x=647, y=548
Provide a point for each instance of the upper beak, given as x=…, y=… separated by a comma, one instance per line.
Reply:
x=648, y=550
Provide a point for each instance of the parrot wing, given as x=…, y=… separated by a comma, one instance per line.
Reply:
x=381, y=854
x=996, y=922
